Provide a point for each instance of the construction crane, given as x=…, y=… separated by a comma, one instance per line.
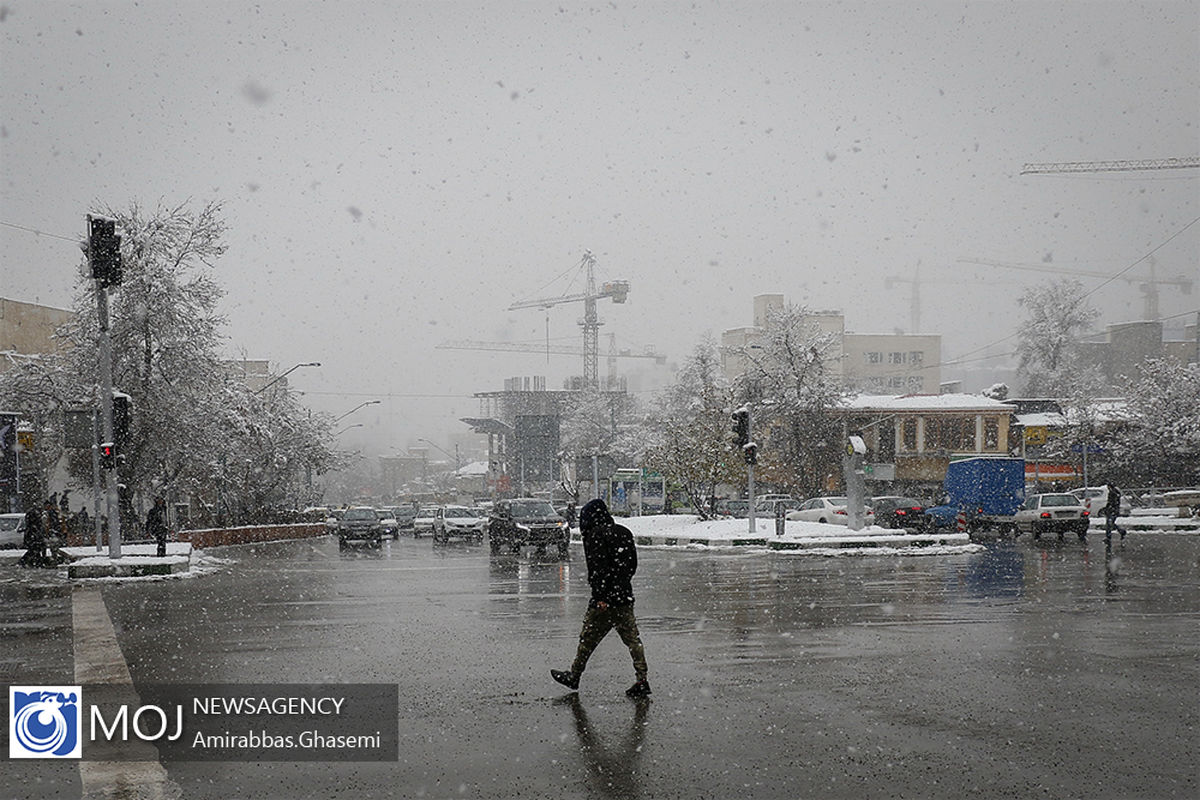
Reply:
x=1148, y=284
x=533, y=347
x=1186, y=162
x=617, y=290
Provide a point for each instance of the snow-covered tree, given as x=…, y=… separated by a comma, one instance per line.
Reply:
x=688, y=434
x=166, y=339
x=794, y=390
x=1158, y=441
x=1047, y=342
x=195, y=424
x=598, y=423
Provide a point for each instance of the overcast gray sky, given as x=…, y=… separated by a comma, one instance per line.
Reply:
x=396, y=174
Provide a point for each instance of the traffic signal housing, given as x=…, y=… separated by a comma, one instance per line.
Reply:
x=122, y=415
x=741, y=427
x=108, y=455
x=104, y=250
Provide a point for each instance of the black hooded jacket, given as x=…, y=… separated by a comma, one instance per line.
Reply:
x=610, y=553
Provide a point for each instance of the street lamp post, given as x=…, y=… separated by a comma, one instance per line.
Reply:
x=357, y=407
x=457, y=464
x=284, y=375
x=348, y=427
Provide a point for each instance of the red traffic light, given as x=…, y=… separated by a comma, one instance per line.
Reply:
x=108, y=455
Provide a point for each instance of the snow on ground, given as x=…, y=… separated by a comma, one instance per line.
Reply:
x=799, y=537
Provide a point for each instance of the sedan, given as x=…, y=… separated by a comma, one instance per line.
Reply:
x=423, y=521
x=360, y=524
x=458, y=521
x=387, y=521
x=405, y=516
x=830, y=510
x=1052, y=512
x=895, y=511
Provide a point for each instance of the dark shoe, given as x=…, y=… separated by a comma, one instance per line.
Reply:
x=566, y=678
x=639, y=689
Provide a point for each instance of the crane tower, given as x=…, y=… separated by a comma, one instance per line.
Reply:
x=591, y=322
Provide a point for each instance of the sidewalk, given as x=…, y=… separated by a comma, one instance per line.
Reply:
x=137, y=560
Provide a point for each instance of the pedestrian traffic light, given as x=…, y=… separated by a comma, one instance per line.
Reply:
x=750, y=451
x=104, y=250
x=741, y=427
x=108, y=455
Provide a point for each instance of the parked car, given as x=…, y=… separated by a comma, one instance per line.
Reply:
x=423, y=521
x=1095, y=498
x=737, y=509
x=459, y=521
x=527, y=521
x=360, y=523
x=831, y=510
x=766, y=507
x=12, y=530
x=387, y=521
x=896, y=511
x=1052, y=512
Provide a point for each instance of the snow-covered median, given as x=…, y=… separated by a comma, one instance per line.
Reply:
x=810, y=538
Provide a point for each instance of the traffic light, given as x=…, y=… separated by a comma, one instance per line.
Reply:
x=108, y=455
x=104, y=250
x=750, y=452
x=741, y=427
x=122, y=415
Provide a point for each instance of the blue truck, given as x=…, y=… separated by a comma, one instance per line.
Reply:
x=987, y=490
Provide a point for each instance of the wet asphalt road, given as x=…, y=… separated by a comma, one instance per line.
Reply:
x=1030, y=670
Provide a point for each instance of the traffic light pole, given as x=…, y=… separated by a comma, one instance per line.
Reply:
x=750, y=469
x=106, y=422
x=96, y=521
x=750, y=488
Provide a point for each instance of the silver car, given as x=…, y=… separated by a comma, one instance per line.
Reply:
x=1052, y=512
x=12, y=530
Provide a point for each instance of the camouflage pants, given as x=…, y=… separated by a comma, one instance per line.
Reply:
x=597, y=622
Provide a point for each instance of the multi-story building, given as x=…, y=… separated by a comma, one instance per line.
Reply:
x=872, y=363
x=1115, y=355
x=28, y=328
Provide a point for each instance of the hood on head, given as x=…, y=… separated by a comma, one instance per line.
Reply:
x=595, y=515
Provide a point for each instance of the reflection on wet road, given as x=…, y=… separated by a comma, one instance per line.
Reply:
x=1030, y=669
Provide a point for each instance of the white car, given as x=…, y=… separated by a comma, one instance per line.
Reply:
x=1054, y=511
x=387, y=521
x=1095, y=498
x=458, y=521
x=831, y=510
x=12, y=530
x=423, y=522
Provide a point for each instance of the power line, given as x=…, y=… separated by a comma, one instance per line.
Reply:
x=75, y=239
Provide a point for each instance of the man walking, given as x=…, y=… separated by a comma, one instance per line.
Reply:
x=1112, y=510
x=611, y=562
x=156, y=525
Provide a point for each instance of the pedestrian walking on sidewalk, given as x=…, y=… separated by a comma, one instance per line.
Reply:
x=156, y=525
x=611, y=563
